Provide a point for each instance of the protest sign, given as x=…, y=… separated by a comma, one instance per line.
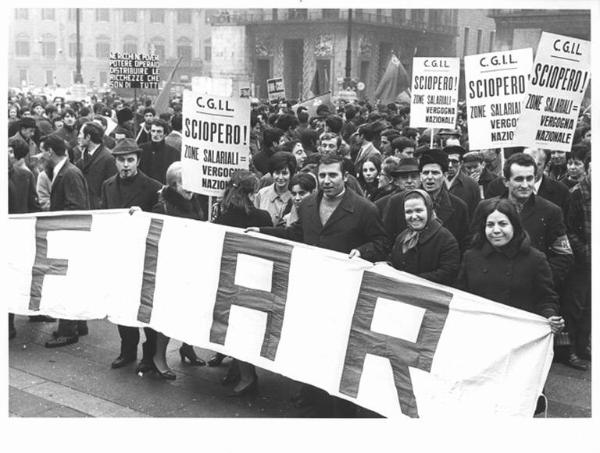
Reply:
x=559, y=78
x=384, y=339
x=275, y=89
x=133, y=70
x=216, y=138
x=434, y=87
x=495, y=86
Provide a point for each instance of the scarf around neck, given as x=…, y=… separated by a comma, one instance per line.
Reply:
x=409, y=238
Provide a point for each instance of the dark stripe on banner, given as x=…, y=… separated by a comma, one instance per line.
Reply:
x=271, y=302
x=150, y=263
x=401, y=353
x=43, y=265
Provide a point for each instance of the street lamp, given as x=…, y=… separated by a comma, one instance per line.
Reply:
x=347, y=79
x=78, y=76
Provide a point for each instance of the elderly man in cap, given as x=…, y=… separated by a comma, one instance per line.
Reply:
x=124, y=125
x=450, y=210
x=131, y=187
x=457, y=182
x=405, y=176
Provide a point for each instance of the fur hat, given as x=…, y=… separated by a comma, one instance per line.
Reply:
x=434, y=156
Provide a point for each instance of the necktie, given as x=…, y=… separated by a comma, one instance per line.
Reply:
x=86, y=157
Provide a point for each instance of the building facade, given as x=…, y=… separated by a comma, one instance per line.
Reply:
x=253, y=45
x=43, y=42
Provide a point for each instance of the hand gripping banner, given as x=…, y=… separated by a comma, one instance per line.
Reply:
x=386, y=340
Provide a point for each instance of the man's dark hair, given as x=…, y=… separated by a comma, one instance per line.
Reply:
x=522, y=159
x=84, y=111
x=410, y=132
x=284, y=122
x=303, y=117
x=329, y=159
x=68, y=111
x=20, y=148
x=334, y=123
x=368, y=132
x=149, y=110
x=580, y=152
x=166, y=116
x=350, y=112
x=55, y=143
x=270, y=135
x=160, y=123
x=400, y=143
x=98, y=108
x=177, y=122
x=94, y=131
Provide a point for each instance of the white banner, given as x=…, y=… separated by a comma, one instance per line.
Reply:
x=216, y=138
x=495, y=87
x=434, y=97
x=560, y=75
x=213, y=85
x=386, y=340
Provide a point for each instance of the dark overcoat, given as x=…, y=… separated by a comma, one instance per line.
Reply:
x=142, y=191
x=100, y=167
x=69, y=190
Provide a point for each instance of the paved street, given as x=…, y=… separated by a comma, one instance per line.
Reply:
x=76, y=381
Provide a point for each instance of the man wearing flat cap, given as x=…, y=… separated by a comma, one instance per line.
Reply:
x=405, y=176
x=130, y=187
x=457, y=182
x=450, y=210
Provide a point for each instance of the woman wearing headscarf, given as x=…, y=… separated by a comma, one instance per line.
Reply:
x=425, y=248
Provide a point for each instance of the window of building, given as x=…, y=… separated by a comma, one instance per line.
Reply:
x=130, y=47
x=185, y=51
x=103, y=48
x=49, y=49
x=159, y=50
x=103, y=78
x=23, y=75
x=418, y=16
x=331, y=13
x=274, y=13
x=492, y=39
x=184, y=16
x=207, y=50
x=102, y=15
x=479, y=40
x=398, y=16
x=22, y=47
x=21, y=14
x=466, y=41
x=157, y=16
x=71, y=14
x=379, y=14
x=298, y=14
x=130, y=15
x=50, y=77
x=358, y=14
x=47, y=14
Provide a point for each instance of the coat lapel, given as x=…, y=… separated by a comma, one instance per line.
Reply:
x=96, y=156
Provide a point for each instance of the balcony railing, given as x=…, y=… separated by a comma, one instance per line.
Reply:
x=244, y=18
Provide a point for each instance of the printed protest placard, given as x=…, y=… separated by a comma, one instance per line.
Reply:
x=133, y=70
x=275, y=89
x=495, y=87
x=558, y=81
x=216, y=138
x=434, y=87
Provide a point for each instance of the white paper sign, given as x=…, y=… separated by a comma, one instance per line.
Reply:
x=275, y=89
x=216, y=137
x=434, y=87
x=495, y=90
x=213, y=85
x=559, y=78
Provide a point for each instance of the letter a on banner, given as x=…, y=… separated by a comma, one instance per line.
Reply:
x=413, y=345
x=254, y=274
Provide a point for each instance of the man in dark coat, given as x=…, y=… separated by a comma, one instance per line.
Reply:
x=68, y=132
x=69, y=193
x=457, y=182
x=156, y=154
x=96, y=163
x=271, y=136
x=554, y=191
x=450, y=210
x=336, y=219
x=542, y=219
x=130, y=187
x=27, y=130
x=124, y=125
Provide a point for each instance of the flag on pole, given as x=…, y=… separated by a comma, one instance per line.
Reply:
x=162, y=100
x=320, y=82
x=394, y=81
x=313, y=103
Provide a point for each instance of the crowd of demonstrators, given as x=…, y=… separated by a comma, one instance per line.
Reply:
x=356, y=178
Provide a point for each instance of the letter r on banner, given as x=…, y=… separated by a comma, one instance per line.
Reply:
x=427, y=309
x=43, y=265
x=266, y=291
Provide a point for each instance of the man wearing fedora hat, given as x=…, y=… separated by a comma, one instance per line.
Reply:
x=405, y=176
x=131, y=187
